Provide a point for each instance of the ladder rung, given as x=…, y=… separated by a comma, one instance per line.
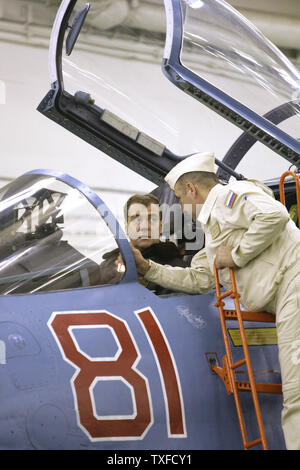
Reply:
x=238, y=363
x=253, y=443
x=263, y=317
x=260, y=387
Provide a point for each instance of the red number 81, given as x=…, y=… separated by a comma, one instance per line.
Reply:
x=123, y=367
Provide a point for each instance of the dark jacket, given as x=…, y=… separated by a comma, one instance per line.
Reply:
x=162, y=252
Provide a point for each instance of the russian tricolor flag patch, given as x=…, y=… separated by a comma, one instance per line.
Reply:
x=231, y=199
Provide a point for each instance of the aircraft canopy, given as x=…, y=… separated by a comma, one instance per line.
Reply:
x=52, y=237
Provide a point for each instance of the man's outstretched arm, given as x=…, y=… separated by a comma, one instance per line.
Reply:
x=196, y=279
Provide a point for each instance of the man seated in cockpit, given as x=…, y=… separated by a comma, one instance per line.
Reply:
x=34, y=257
x=143, y=219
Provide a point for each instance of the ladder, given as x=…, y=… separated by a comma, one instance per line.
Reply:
x=281, y=190
x=227, y=372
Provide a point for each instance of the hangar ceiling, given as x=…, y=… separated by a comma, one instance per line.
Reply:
x=115, y=23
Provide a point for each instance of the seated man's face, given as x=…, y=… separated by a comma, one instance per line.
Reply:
x=143, y=225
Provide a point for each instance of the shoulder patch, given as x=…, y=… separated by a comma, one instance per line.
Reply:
x=230, y=199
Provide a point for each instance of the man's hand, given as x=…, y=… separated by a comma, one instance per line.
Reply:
x=224, y=258
x=142, y=265
x=119, y=264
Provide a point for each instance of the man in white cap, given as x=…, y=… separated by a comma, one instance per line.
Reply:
x=245, y=228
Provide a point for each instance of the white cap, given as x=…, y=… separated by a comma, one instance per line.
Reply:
x=197, y=162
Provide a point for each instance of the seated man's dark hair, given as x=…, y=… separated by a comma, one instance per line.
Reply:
x=145, y=199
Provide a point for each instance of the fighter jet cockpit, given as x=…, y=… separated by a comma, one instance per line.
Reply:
x=118, y=367
x=210, y=52
x=45, y=225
